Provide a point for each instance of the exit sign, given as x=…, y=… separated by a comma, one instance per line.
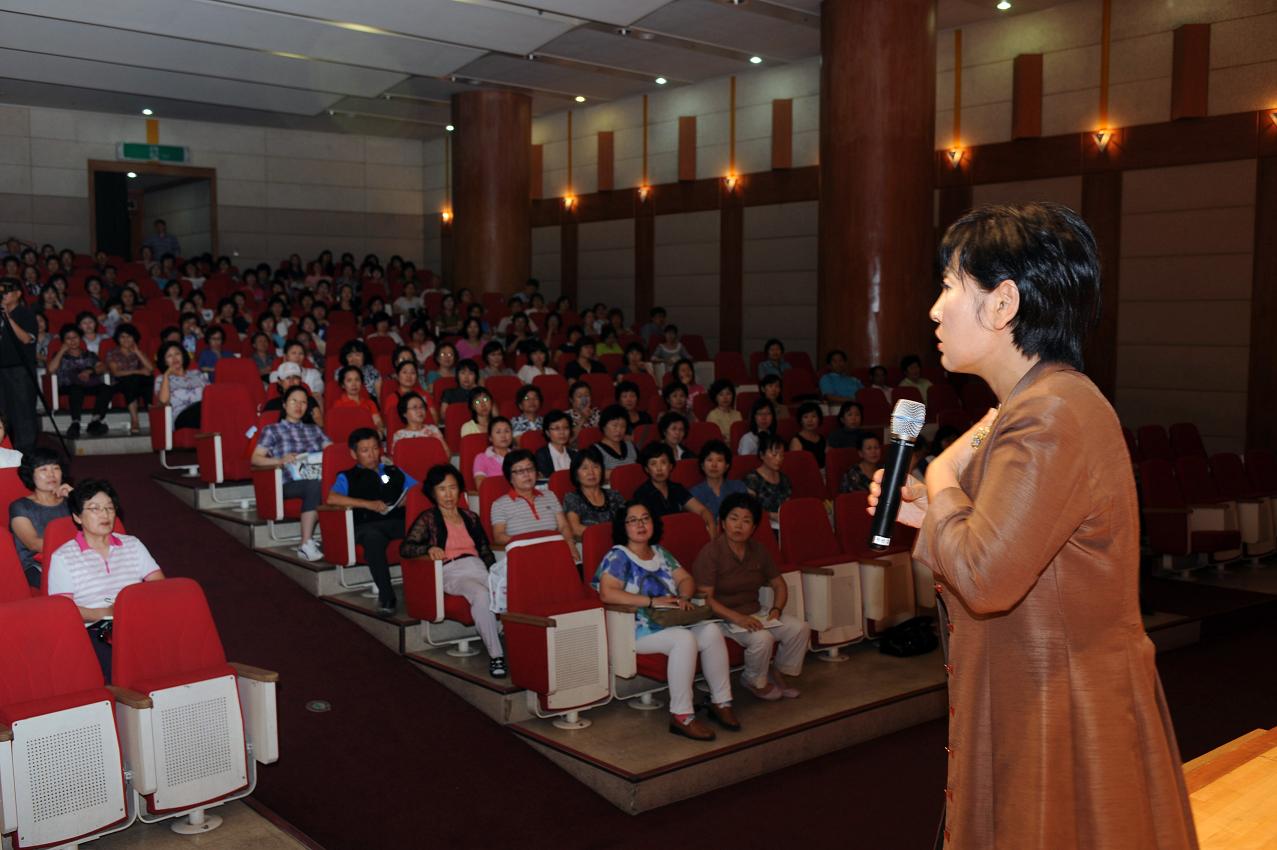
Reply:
x=139, y=152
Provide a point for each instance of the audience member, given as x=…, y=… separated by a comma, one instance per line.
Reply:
x=627, y=396
x=42, y=473
x=685, y=374
x=608, y=342
x=161, y=242
x=847, y=434
x=355, y=353
x=528, y=400
x=131, y=371
x=770, y=387
x=676, y=400
x=836, y=385
x=467, y=382
x=407, y=380
x=178, y=387
x=92, y=568
x=911, y=365
x=655, y=324
x=557, y=453
x=470, y=346
x=445, y=364
x=290, y=375
x=773, y=362
x=450, y=532
x=525, y=509
x=352, y=396
x=672, y=429
x=762, y=420
x=635, y=362
x=584, y=363
x=500, y=441
x=412, y=410
x=9, y=458
x=878, y=380
x=771, y=486
x=809, y=438
x=670, y=349
x=420, y=341
x=494, y=361
x=663, y=496
x=715, y=463
x=87, y=324
x=730, y=572
x=296, y=448
x=859, y=476
x=538, y=358
x=214, y=339
x=295, y=352
x=79, y=374
x=589, y=502
x=637, y=571
x=480, y=403
x=723, y=393
x=263, y=355
x=374, y=490
x=582, y=410
x=616, y=447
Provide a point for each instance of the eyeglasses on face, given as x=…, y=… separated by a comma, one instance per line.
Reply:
x=99, y=509
x=643, y=519
x=524, y=470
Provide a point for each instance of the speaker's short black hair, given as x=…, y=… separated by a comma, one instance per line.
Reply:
x=1050, y=253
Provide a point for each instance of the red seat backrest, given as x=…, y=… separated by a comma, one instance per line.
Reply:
x=1158, y=487
x=701, y=433
x=532, y=440
x=554, y=391
x=837, y=462
x=229, y=409
x=738, y=430
x=46, y=651
x=1261, y=469
x=13, y=581
x=341, y=421
x=595, y=543
x=853, y=528
x=911, y=393
x=743, y=465
x=687, y=472
x=588, y=437
x=457, y=415
x=1186, y=440
x=560, y=483
x=336, y=460
x=238, y=370
x=701, y=406
x=472, y=445
x=503, y=387
x=805, y=532
x=695, y=345
x=541, y=575
x=490, y=490
x=941, y=396
x=799, y=360
x=163, y=633
x=800, y=383
x=684, y=536
x=627, y=478
x=1195, y=480
x=874, y=407
x=601, y=389
x=804, y=474
x=11, y=489
x=1230, y=476
x=763, y=534
x=1154, y=443
x=745, y=400
x=417, y=455
x=977, y=397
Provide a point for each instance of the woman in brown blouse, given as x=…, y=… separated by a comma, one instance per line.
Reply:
x=1059, y=734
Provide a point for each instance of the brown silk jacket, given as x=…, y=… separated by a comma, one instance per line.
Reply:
x=1059, y=735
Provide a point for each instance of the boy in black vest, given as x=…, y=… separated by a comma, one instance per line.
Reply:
x=373, y=489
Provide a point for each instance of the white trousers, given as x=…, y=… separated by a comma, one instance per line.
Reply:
x=681, y=644
x=468, y=577
x=793, y=637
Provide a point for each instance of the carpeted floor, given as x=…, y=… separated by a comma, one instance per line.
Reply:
x=400, y=761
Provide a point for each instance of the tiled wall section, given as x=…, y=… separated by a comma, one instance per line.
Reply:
x=1243, y=64
x=708, y=101
x=686, y=272
x=546, y=259
x=185, y=210
x=1063, y=190
x=780, y=276
x=1184, y=319
x=279, y=191
x=605, y=265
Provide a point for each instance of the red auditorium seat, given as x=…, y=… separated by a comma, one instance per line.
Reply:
x=489, y=491
x=1261, y=469
x=503, y=388
x=51, y=688
x=555, y=634
x=941, y=397
x=532, y=440
x=1154, y=443
x=627, y=478
x=340, y=422
x=701, y=433
x=687, y=472
x=1254, y=508
x=701, y=408
x=1176, y=530
x=595, y=543
x=738, y=430
x=874, y=406
x=745, y=400
x=977, y=398
x=560, y=483
x=888, y=580
x=601, y=389
x=731, y=365
x=831, y=578
x=800, y=384
x=804, y=474
x=472, y=445
x=11, y=489
x=684, y=536
x=742, y=465
x=416, y=456
x=236, y=370
x=910, y=393
x=837, y=462
x=554, y=391
x=165, y=646
x=227, y=412
x=456, y=416
x=13, y=580
x=695, y=345
x=587, y=437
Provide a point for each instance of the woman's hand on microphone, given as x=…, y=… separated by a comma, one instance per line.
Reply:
x=913, y=499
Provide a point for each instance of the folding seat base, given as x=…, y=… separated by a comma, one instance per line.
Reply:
x=196, y=823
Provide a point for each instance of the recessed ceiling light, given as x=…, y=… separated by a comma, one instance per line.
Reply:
x=660, y=81
x=132, y=175
x=580, y=98
x=622, y=30
x=449, y=128
x=148, y=111
x=758, y=60
x=1003, y=5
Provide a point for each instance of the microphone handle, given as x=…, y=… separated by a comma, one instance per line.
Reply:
x=895, y=470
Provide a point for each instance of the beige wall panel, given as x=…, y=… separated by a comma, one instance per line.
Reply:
x=389, y=201
x=546, y=259
x=1063, y=190
x=686, y=271
x=806, y=114
x=62, y=153
x=763, y=86
x=315, y=223
x=378, y=176
x=386, y=151
x=1226, y=230
x=313, y=172
x=1188, y=323
x=73, y=236
x=1062, y=27
x=1244, y=41
x=299, y=196
x=396, y=226
x=1243, y=88
x=247, y=247
x=409, y=249
x=231, y=166
x=1142, y=102
x=220, y=138
x=1173, y=367
x=775, y=220
x=52, y=123
x=305, y=144
x=1070, y=112
x=15, y=150
x=15, y=207
x=806, y=149
x=1215, y=184
x=241, y=193
x=15, y=179
x=1219, y=416
x=46, y=209
x=1195, y=278
x=235, y=219
x=15, y=121
x=779, y=281
x=989, y=83
x=67, y=182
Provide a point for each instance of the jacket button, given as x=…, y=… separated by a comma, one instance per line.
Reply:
x=947, y=836
x=939, y=589
x=948, y=668
x=948, y=794
x=949, y=750
x=952, y=711
x=949, y=626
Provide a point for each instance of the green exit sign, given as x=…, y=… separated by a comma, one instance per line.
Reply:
x=139, y=152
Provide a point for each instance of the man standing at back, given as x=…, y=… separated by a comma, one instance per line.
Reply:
x=162, y=242
x=374, y=491
x=17, y=365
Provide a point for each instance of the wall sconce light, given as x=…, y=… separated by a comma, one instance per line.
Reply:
x=446, y=216
x=955, y=157
x=730, y=181
x=1102, y=139
x=643, y=192
x=569, y=202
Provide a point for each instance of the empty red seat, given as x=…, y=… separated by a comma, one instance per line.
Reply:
x=1186, y=440
x=627, y=478
x=1154, y=443
x=1170, y=525
x=731, y=365
x=803, y=474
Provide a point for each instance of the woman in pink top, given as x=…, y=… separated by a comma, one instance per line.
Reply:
x=500, y=439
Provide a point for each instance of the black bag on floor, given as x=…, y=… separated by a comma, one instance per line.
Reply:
x=912, y=637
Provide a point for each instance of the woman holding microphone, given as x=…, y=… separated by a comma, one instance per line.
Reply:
x=1059, y=734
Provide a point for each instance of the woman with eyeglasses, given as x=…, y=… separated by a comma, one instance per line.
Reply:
x=98, y=563
x=637, y=572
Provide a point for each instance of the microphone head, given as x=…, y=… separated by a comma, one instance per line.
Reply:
x=907, y=419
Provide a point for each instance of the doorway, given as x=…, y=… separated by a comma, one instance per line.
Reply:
x=126, y=199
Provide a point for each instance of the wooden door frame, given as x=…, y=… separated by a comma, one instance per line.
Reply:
x=193, y=172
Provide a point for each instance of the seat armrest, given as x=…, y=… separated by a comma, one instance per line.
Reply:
x=338, y=528
x=619, y=621
x=130, y=698
x=207, y=435
x=816, y=571
x=620, y=609
x=257, y=674
x=874, y=562
x=8, y=797
x=528, y=620
x=332, y=509
x=6, y=734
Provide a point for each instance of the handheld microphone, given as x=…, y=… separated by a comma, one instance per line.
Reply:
x=907, y=419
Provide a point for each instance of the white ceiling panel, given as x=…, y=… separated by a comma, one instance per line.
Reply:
x=488, y=25
x=407, y=110
x=231, y=25
x=735, y=27
x=83, y=73
x=600, y=47
x=620, y=12
x=553, y=78
x=85, y=41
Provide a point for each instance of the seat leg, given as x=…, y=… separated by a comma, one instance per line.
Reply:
x=196, y=822
x=832, y=654
x=645, y=702
x=463, y=649
x=571, y=720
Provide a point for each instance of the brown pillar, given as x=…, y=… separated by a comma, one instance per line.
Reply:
x=1261, y=432
x=877, y=135
x=731, y=267
x=644, y=257
x=1102, y=210
x=492, y=181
